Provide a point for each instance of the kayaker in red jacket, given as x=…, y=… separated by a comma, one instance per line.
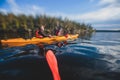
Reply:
x=40, y=32
x=58, y=31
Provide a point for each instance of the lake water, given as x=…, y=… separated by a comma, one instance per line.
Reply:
x=89, y=58
x=107, y=43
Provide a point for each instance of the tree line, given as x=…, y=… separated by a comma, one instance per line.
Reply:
x=11, y=23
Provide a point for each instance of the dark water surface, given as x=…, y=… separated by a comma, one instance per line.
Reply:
x=89, y=58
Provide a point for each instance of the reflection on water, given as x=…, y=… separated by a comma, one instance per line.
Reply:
x=92, y=58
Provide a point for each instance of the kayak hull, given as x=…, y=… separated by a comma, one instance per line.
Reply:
x=37, y=41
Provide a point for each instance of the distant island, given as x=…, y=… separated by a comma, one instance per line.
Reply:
x=107, y=30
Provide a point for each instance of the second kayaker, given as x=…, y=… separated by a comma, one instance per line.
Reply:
x=40, y=32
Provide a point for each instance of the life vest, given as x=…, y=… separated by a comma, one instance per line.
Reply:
x=57, y=32
x=38, y=35
x=66, y=35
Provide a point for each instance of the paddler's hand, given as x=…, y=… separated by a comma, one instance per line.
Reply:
x=49, y=36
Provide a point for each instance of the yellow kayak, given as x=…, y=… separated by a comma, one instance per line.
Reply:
x=37, y=41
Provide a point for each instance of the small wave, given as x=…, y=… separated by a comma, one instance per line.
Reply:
x=102, y=42
x=110, y=53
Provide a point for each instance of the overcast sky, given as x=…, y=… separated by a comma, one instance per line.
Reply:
x=102, y=14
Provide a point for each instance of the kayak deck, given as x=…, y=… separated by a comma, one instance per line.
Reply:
x=34, y=40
